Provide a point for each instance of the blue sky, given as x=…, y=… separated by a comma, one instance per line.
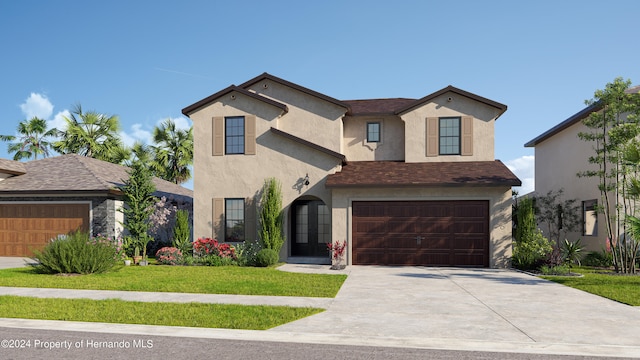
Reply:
x=146, y=60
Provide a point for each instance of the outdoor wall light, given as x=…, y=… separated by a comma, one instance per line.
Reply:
x=306, y=179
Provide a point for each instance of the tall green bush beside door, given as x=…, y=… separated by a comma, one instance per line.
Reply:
x=271, y=236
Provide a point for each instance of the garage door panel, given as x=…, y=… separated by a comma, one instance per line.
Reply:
x=429, y=226
x=370, y=242
x=24, y=227
x=467, y=227
x=436, y=233
x=368, y=257
x=400, y=226
x=400, y=242
x=435, y=243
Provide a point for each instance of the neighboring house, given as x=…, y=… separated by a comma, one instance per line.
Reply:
x=559, y=156
x=403, y=181
x=41, y=199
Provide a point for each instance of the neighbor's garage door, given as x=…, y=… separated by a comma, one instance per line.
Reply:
x=24, y=227
x=433, y=233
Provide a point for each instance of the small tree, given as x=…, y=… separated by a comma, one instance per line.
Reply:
x=530, y=247
x=271, y=215
x=559, y=216
x=612, y=126
x=182, y=232
x=139, y=203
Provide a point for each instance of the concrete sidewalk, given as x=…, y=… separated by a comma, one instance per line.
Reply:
x=441, y=308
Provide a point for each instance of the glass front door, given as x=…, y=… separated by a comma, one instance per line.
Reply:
x=311, y=229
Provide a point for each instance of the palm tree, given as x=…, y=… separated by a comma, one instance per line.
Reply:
x=33, y=140
x=174, y=152
x=91, y=134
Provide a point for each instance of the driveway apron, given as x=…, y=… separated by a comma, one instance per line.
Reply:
x=471, y=304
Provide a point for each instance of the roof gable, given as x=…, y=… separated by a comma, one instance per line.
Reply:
x=267, y=76
x=501, y=107
x=209, y=99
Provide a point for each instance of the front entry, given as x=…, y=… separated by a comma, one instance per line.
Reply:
x=311, y=228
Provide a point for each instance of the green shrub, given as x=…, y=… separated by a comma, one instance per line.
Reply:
x=271, y=215
x=572, y=252
x=555, y=270
x=531, y=251
x=77, y=253
x=267, y=257
x=215, y=260
x=598, y=259
x=182, y=232
x=247, y=252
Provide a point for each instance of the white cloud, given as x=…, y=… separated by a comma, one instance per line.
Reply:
x=137, y=133
x=37, y=105
x=58, y=121
x=524, y=168
x=182, y=123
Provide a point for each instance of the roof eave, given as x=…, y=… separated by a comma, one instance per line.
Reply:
x=430, y=185
x=209, y=99
x=575, y=118
x=307, y=143
x=267, y=76
x=419, y=102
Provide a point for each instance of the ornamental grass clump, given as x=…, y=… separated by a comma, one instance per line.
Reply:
x=77, y=253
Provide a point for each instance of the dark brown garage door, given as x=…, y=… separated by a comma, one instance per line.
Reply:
x=431, y=233
x=24, y=227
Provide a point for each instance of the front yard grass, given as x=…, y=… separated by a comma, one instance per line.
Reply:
x=164, y=314
x=621, y=288
x=186, y=279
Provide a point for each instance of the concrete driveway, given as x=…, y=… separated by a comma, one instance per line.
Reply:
x=475, y=308
x=7, y=262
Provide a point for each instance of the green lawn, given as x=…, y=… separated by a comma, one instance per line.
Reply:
x=166, y=314
x=622, y=288
x=186, y=279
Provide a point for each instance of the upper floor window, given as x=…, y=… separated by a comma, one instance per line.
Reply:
x=234, y=134
x=449, y=135
x=373, y=132
x=234, y=220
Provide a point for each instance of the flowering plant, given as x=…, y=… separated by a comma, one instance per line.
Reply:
x=209, y=246
x=169, y=256
x=337, y=250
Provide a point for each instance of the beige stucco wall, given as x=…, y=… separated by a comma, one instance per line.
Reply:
x=499, y=207
x=357, y=148
x=307, y=114
x=242, y=176
x=483, y=127
x=558, y=161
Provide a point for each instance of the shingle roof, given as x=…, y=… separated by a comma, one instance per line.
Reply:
x=377, y=106
x=11, y=167
x=73, y=173
x=398, y=173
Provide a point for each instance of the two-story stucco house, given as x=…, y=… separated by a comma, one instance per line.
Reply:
x=403, y=181
x=559, y=156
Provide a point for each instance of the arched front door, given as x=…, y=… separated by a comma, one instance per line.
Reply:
x=311, y=228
